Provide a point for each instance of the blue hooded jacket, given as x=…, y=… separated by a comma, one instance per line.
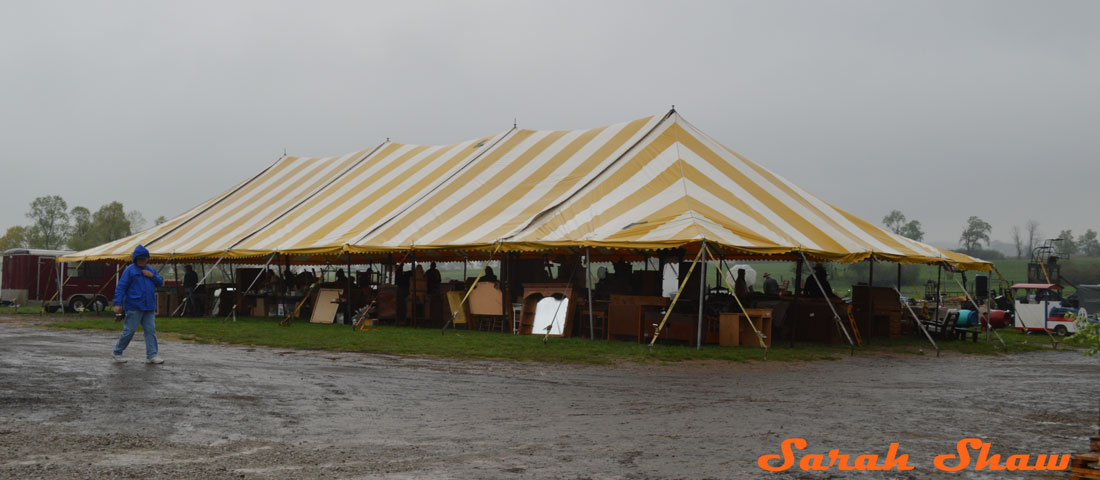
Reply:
x=135, y=291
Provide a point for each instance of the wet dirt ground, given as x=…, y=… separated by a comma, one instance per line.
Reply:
x=223, y=411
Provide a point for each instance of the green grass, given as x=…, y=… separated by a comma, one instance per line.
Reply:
x=464, y=344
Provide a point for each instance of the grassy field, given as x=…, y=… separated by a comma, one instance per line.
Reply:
x=463, y=344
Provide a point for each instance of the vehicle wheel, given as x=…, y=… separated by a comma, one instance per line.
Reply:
x=1061, y=330
x=98, y=305
x=77, y=304
x=51, y=309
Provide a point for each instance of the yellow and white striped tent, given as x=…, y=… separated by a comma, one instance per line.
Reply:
x=652, y=183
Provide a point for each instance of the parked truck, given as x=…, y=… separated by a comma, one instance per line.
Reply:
x=32, y=277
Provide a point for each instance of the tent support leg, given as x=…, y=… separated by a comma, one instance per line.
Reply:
x=702, y=292
x=921, y=325
x=588, y=276
x=989, y=315
x=759, y=336
x=672, y=305
x=791, y=322
x=836, y=316
x=939, y=278
x=469, y=291
x=347, y=308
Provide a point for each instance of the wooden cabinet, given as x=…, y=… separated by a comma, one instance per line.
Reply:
x=625, y=314
x=877, y=311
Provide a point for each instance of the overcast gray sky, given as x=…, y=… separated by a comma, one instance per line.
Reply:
x=942, y=110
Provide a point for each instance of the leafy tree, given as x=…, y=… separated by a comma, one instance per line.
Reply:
x=137, y=220
x=80, y=238
x=15, y=237
x=109, y=223
x=160, y=220
x=1067, y=246
x=912, y=230
x=896, y=222
x=49, y=222
x=1088, y=243
x=976, y=231
x=1088, y=333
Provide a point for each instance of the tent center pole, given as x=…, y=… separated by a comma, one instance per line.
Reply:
x=588, y=268
x=702, y=291
x=797, y=293
x=347, y=309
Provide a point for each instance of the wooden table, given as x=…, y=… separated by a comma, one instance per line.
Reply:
x=734, y=328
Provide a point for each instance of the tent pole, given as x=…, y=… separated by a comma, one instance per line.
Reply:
x=347, y=309
x=899, y=279
x=470, y=290
x=202, y=281
x=263, y=271
x=759, y=336
x=921, y=325
x=988, y=317
x=668, y=311
x=176, y=273
x=702, y=291
x=870, y=295
x=588, y=268
x=412, y=254
x=939, y=278
x=797, y=293
x=506, y=293
x=836, y=316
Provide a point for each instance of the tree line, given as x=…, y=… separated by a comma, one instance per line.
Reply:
x=54, y=226
x=1025, y=240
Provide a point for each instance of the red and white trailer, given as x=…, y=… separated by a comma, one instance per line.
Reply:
x=1039, y=308
x=32, y=277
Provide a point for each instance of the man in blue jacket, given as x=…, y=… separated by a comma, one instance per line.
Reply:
x=136, y=294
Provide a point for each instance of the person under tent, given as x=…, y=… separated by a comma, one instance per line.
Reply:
x=433, y=278
x=817, y=286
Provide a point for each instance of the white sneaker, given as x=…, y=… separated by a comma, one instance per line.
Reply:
x=156, y=360
x=118, y=358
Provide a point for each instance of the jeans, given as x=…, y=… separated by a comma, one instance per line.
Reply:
x=130, y=326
